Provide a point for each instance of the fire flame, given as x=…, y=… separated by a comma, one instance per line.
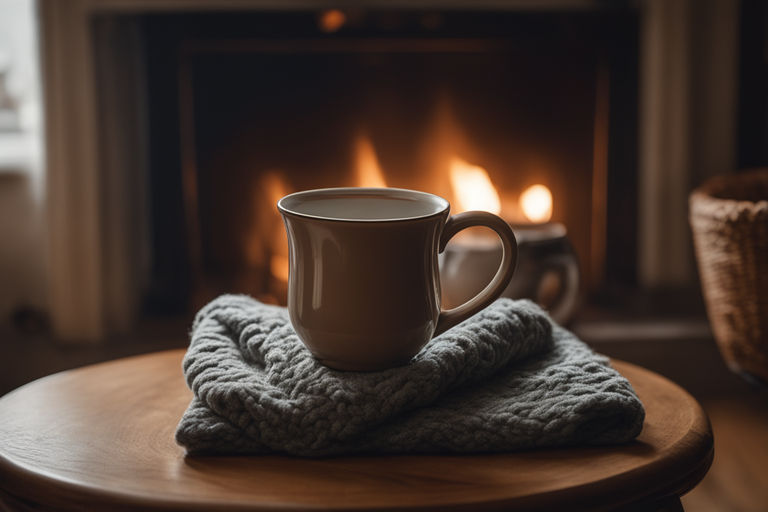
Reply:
x=472, y=187
x=278, y=262
x=267, y=244
x=536, y=203
x=278, y=266
x=367, y=169
x=275, y=186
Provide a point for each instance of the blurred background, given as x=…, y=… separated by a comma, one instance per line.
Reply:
x=143, y=145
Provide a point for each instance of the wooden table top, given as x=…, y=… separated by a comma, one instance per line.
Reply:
x=101, y=437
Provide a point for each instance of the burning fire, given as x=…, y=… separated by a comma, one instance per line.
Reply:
x=473, y=188
x=536, y=203
x=278, y=266
x=267, y=246
x=278, y=262
x=367, y=169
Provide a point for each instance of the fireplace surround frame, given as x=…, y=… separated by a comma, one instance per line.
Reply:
x=203, y=288
x=95, y=162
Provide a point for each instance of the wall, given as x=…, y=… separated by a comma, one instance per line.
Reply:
x=22, y=253
x=23, y=266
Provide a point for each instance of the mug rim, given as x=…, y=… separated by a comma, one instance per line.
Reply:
x=285, y=208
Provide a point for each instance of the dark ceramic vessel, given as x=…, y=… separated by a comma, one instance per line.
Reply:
x=547, y=269
x=364, y=289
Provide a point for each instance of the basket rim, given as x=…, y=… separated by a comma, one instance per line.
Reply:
x=704, y=195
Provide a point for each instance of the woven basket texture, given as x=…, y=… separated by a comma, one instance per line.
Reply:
x=729, y=218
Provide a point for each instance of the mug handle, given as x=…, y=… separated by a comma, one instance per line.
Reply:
x=498, y=284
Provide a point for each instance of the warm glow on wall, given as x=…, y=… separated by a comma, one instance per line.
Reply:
x=536, y=203
x=472, y=188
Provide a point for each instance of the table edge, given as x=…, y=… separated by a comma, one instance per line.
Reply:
x=583, y=495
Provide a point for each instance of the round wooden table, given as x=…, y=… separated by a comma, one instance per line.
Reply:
x=101, y=438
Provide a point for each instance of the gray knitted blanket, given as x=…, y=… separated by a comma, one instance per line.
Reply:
x=506, y=379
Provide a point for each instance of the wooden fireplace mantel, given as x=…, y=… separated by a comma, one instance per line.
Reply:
x=95, y=147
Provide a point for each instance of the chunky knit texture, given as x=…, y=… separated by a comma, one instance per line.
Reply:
x=506, y=379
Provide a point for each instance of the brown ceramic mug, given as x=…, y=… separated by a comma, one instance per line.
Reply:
x=364, y=285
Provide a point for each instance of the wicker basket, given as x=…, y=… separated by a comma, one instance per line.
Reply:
x=729, y=217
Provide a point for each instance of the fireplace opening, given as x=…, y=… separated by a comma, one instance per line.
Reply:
x=247, y=107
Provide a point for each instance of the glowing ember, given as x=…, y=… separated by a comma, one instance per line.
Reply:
x=472, y=188
x=332, y=20
x=367, y=169
x=536, y=202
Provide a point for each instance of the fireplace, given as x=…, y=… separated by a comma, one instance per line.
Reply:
x=148, y=102
x=247, y=107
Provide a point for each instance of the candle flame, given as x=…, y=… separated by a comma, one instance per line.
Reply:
x=472, y=187
x=536, y=202
x=368, y=171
